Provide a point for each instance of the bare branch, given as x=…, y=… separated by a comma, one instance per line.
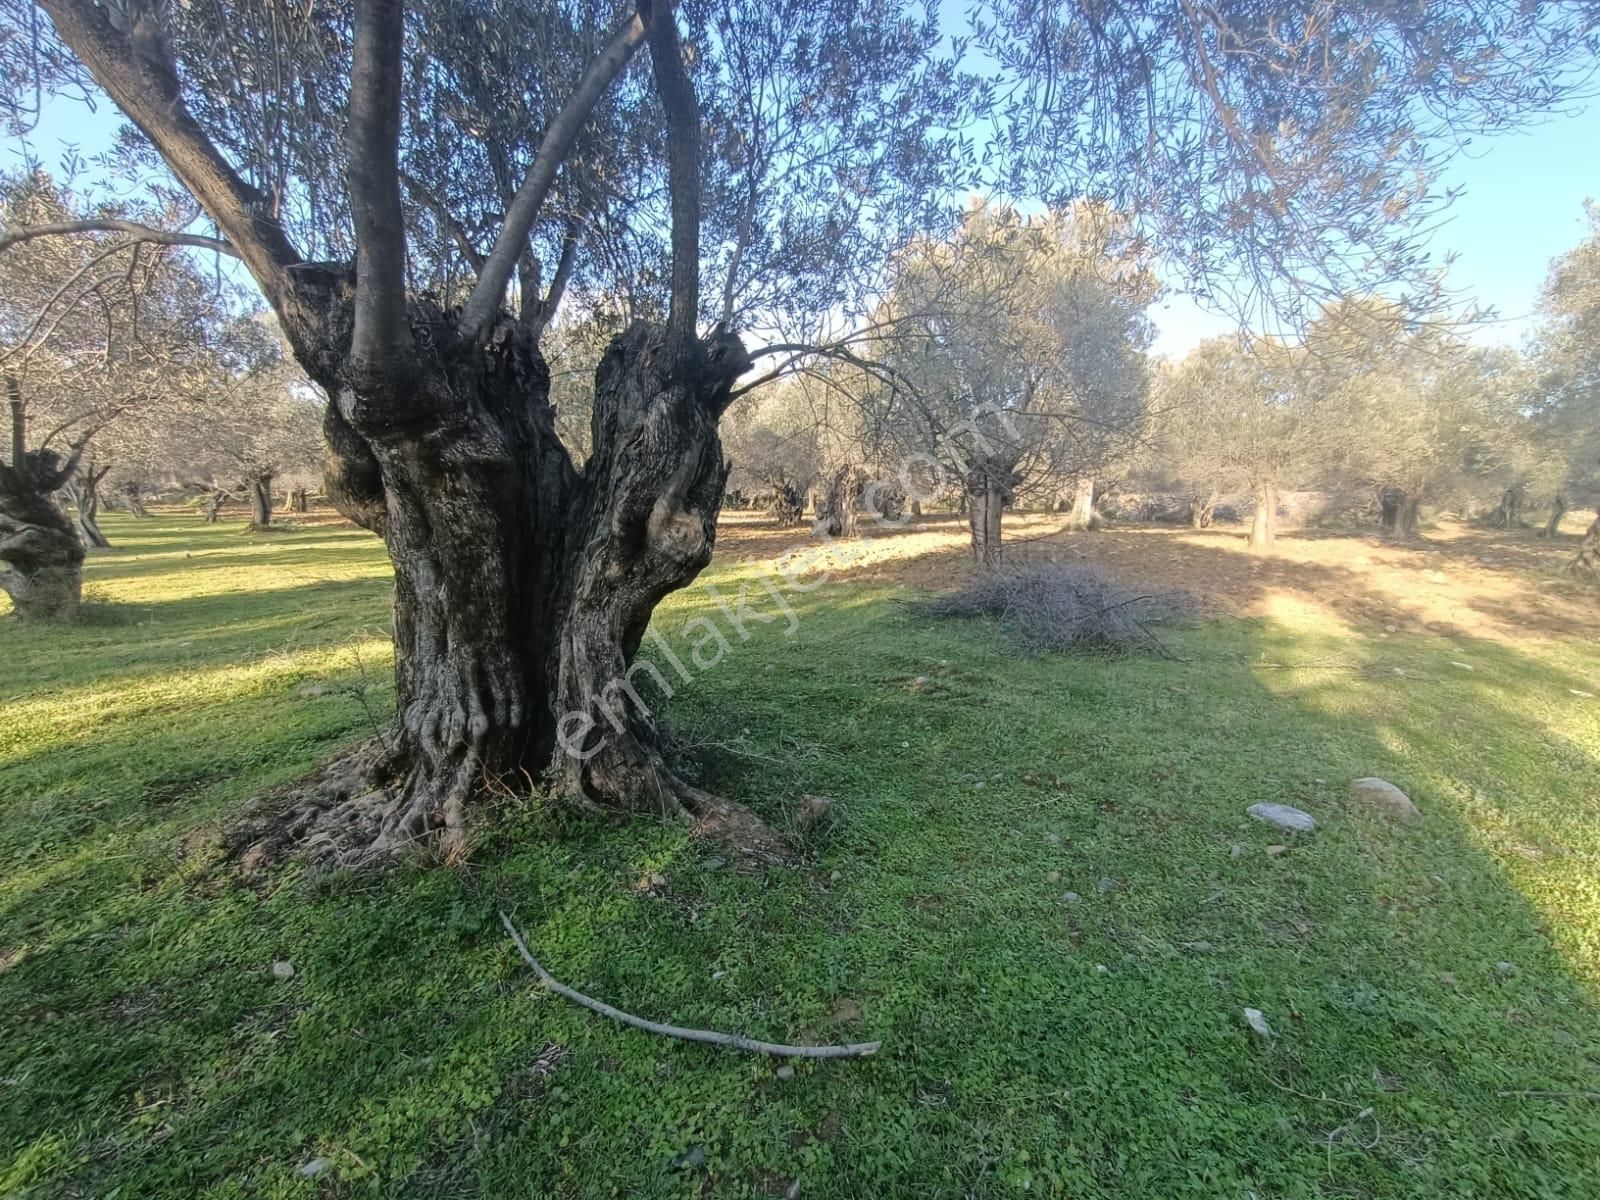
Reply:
x=596, y=79
x=134, y=229
x=381, y=342
x=706, y=1036
x=140, y=76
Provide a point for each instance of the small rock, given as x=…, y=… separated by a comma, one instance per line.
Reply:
x=1462, y=665
x=693, y=1157
x=1257, y=1022
x=1052, y=839
x=657, y=881
x=1386, y=796
x=310, y=1170
x=1283, y=816
x=283, y=969
x=1101, y=969
x=1071, y=897
x=1052, y=876
x=1448, y=978
x=312, y=689
x=1274, y=851
x=1235, y=850
x=1391, y=629
x=1107, y=885
x=920, y=681
x=1505, y=968
x=785, y=1072
x=835, y=877
x=714, y=863
x=980, y=785
x=794, y=1191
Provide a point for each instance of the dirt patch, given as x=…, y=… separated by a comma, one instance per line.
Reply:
x=1458, y=581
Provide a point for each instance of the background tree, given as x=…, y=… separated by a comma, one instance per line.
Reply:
x=1013, y=353
x=1564, y=411
x=524, y=584
x=92, y=330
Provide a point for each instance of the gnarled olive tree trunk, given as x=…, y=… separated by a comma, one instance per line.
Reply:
x=1202, y=509
x=1587, y=563
x=41, y=558
x=84, y=488
x=523, y=586
x=838, y=504
x=1084, y=513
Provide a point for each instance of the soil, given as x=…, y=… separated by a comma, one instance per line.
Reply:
x=1458, y=580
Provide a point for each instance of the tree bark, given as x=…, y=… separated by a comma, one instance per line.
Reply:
x=1389, y=501
x=990, y=486
x=1410, y=528
x=837, y=504
x=298, y=501
x=85, y=491
x=41, y=558
x=1264, y=522
x=1587, y=562
x=134, y=491
x=1084, y=513
x=1508, y=513
x=1201, y=510
x=214, y=506
x=261, y=501
x=1558, y=509
x=524, y=588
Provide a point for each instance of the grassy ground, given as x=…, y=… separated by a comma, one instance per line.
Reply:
x=1041, y=892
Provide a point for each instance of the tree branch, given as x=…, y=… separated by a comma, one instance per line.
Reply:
x=136, y=230
x=596, y=79
x=381, y=342
x=140, y=76
x=19, y=422
x=558, y=285
x=683, y=169
x=736, y=1041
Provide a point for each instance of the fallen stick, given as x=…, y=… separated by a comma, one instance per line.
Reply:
x=709, y=1037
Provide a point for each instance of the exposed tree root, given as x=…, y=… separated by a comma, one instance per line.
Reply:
x=370, y=807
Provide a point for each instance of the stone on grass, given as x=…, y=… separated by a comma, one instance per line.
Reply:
x=785, y=1072
x=1257, y=1022
x=310, y=1170
x=1284, y=817
x=283, y=969
x=1274, y=851
x=1384, y=795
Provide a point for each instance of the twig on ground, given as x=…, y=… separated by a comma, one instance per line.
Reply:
x=736, y=1041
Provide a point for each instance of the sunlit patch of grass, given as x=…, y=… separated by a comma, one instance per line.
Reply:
x=1040, y=891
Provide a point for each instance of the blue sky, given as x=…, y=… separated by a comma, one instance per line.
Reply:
x=1521, y=205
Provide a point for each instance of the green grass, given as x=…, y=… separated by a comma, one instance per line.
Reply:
x=1082, y=1048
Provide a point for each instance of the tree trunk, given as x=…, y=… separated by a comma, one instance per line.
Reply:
x=1390, y=500
x=1411, y=518
x=524, y=588
x=1264, y=522
x=1508, y=513
x=1587, y=563
x=916, y=509
x=1201, y=511
x=990, y=486
x=41, y=558
x=1558, y=509
x=298, y=501
x=85, y=491
x=261, y=501
x=1084, y=513
x=214, y=506
x=135, y=494
x=838, y=504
